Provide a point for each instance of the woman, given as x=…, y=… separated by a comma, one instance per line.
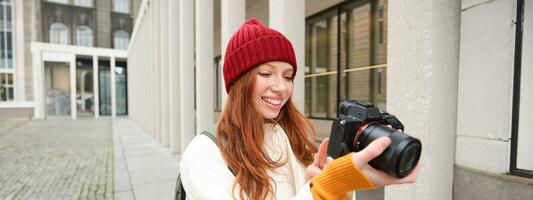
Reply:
x=263, y=142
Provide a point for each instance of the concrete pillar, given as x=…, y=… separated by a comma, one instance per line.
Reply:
x=423, y=58
x=82, y=86
x=151, y=67
x=165, y=113
x=38, y=83
x=113, y=88
x=186, y=75
x=72, y=70
x=288, y=17
x=204, y=65
x=103, y=19
x=19, y=57
x=174, y=76
x=96, y=92
x=232, y=16
x=157, y=69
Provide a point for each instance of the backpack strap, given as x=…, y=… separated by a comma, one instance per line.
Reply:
x=213, y=137
x=210, y=135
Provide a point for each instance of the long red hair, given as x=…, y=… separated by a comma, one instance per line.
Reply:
x=240, y=138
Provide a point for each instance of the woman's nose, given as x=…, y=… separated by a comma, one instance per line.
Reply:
x=280, y=84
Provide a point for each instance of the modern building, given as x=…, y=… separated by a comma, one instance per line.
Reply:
x=57, y=56
x=457, y=73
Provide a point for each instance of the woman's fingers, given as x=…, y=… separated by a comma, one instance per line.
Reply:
x=373, y=150
x=311, y=172
x=320, y=157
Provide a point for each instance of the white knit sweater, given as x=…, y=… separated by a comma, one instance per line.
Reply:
x=205, y=174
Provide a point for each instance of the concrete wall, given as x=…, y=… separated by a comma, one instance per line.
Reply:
x=423, y=59
x=484, y=106
x=524, y=160
x=314, y=6
x=485, y=85
x=16, y=113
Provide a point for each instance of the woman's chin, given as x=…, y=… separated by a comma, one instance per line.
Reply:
x=270, y=115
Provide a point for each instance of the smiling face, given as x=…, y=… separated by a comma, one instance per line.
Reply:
x=273, y=87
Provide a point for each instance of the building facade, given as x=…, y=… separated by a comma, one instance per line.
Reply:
x=58, y=54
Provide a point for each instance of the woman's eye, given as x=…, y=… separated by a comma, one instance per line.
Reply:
x=289, y=78
x=264, y=74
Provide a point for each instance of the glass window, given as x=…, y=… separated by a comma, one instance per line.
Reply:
x=522, y=136
x=84, y=36
x=5, y=16
x=9, y=50
x=121, y=79
x=6, y=36
x=58, y=1
x=217, y=88
x=58, y=33
x=345, y=39
x=321, y=67
x=121, y=6
x=6, y=87
x=121, y=39
x=85, y=3
x=3, y=51
x=104, y=87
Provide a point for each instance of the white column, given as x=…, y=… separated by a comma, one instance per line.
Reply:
x=151, y=67
x=113, y=88
x=232, y=14
x=204, y=65
x=19, y=63
x=96, y=92
x=174, y=76
x=422, y=88
x=38, y=82
x=288, y=17
x=82, y=86
x=165, y=113
x=186, y=66
x=72, y=69
x=157, y=69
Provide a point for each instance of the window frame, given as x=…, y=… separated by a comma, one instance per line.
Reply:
x=84, y=3
x=119, y=33
x=338, y=11
x=513, y=169
x=120, y=5
x=84, y=33
x=50, y=35
x=6, y=67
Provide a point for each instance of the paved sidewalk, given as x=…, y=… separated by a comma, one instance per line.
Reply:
x=56, y=159
x=83, y=159
x=144, y=169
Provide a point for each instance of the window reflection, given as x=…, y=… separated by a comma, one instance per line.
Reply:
x=84, y=36
x=350, y=38
x=121, y=39
x=58, y=33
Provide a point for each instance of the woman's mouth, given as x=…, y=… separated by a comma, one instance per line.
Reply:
x=271, y=101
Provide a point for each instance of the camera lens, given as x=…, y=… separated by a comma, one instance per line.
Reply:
x=400, y=158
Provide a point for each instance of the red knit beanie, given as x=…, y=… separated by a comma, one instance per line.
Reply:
x=254, y=44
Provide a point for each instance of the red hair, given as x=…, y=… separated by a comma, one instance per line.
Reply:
x=240, y=138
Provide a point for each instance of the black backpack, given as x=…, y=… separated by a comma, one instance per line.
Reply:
x=180, y=191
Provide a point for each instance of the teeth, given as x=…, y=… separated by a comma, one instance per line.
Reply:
x=275, y=102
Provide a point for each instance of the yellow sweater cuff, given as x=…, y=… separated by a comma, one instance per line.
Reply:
x=338, y=178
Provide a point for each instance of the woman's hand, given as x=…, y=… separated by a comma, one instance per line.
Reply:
x=379, y=178
x=321, y=160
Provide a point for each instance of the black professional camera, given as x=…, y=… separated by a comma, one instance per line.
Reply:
x=360, y=123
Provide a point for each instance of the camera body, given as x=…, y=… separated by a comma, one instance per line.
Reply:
x=361, y=123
